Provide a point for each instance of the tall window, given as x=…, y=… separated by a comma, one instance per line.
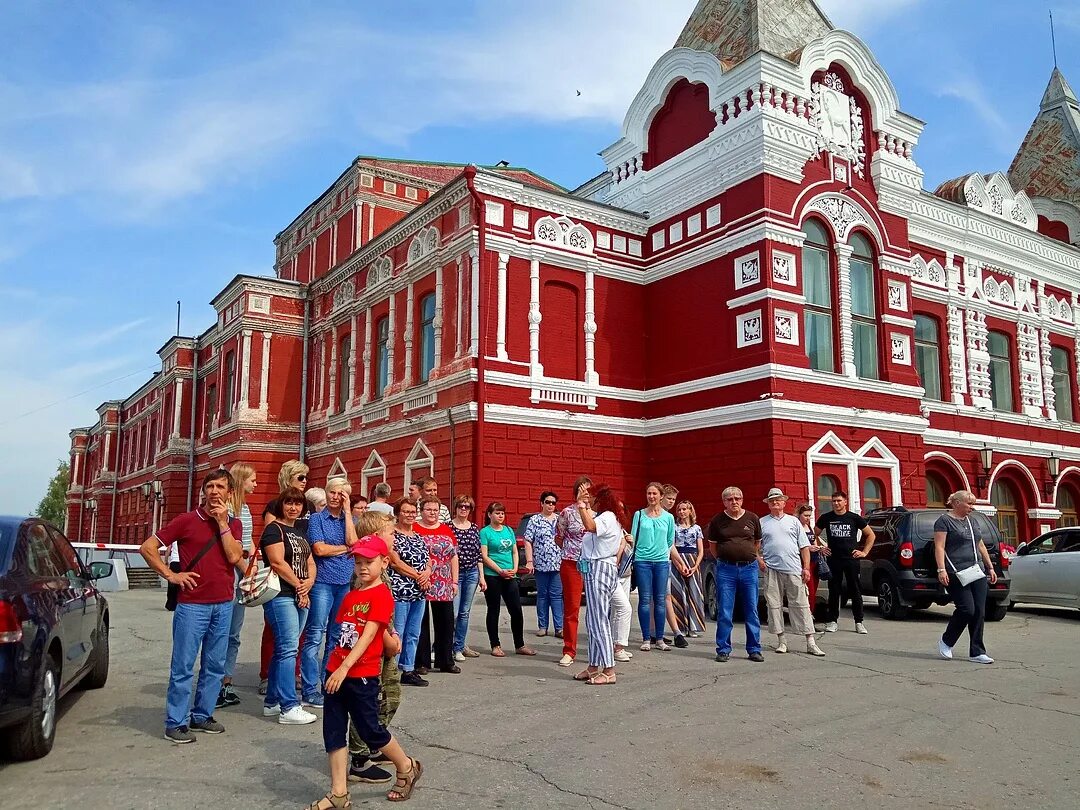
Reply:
x=211, y=406
x=817, y=289
x=230, y=386
x=344, y=372
x=1066, y=502
x=427, y=336
x=935, y=490
x=928, y=355
x=1003, y=497
x=1001, y=388
x=823, y=492
x=1063, y=390
x=863, y=311
x=382, y=356
x=872, y=495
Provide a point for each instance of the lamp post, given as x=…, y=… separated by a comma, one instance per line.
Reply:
x=1053, y=469
x=986, y=458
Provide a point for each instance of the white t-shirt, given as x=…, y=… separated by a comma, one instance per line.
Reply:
x=781, y=539
x=604, y=542
x=379, y=506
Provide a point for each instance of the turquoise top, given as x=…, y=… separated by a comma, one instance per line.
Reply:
x=653, y=537
x=500, y=546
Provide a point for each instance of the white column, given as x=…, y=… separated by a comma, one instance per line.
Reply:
x=474, y=302
x=333, y=243
x=437, y=323
x=459, y=343
x=591, y=377
x=320, y=366
x=390, y=322
x=105, y=454
x=264, y=379
x=75, y=469
x=366, y=396
x=408, y=336
x=957, y=362
x=847, y=350
x=177, y=403
x=500, y=334
x=352, y=358
x=245, y=369
x=370, y=221
x=535, y=369
x=332, y=405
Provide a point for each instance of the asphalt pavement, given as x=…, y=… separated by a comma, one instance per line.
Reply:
x=881, y=721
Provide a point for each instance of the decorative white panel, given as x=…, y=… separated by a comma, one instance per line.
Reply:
x=367, y=181
x=635, y=247
x=675, y=232
x=564, y=232
x=747, y=270
x=521, y=219
x=658, y=240
x=618, y=243
x=603, y=240
x=786, y=327
x=693, y=225
x=898, y=295
x=748, y=328
x=712, y=216
x=464, y=215
x=494, y=213
x=389, y=188
x=901, y=348
x=259, y=303
x=783, y=268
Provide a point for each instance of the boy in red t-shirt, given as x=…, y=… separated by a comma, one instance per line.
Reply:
x=352, y=689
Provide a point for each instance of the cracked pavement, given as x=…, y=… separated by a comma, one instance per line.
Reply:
x=879, y=720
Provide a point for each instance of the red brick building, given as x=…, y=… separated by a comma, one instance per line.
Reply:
x=758, y=291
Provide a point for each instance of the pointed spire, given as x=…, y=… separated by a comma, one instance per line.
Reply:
x=1048, y=161
x=733, y=30
x=1058, y=90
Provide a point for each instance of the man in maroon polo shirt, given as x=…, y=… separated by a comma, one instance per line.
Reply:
x=209, y=545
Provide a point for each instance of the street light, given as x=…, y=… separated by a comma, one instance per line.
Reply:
x=146, y=490
x=986, y=457
x=1053, y=468
x=92, y=504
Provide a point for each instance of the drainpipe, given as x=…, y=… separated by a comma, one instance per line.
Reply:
x=478, y=445
x=304, y=374
x=453, y=442
x=194, y=404
x=116, y=467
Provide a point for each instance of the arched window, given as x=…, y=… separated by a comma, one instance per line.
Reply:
x=818, y=291
x=872, y=495
x=230, y=386
x=382, y=355
x=1063, y=387
x=1003, y=497
x=1001, y=385
x=344, y=372
x=1066, y=502
x=823, y=492
x=936, y=491
x=427, y=336
x=928, y=355
x=864, y=338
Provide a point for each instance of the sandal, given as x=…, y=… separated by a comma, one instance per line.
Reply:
x=585, y=675
x=601, y=679
x=541, y=633
x=523, y=650
x=498, y=652
x=405, y=782
x=336, y=802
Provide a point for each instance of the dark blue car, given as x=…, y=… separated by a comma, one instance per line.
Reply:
x=54, y=631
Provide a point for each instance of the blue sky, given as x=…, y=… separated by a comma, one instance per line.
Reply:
x=150, y=151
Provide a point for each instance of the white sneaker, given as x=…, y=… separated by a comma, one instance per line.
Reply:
x=459, y=656
x=781, y=647
x=981, y=659
x=860, y=628
x=566, y=660
x=813, y=649
x=944, y=650
x=830, y=627
x=622, y=656
x=271, y=711
x=296, y=716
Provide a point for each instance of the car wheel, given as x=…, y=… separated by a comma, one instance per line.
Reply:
x=996, y=609
x=34, y=738
x=95, y=679
x=710, y=599
x=889, y=599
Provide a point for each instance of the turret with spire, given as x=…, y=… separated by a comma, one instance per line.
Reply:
x=1048, y=163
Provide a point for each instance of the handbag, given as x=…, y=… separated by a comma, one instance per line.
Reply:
x=972, y=573
x=259, y=585
x=823, y=570
x=627, y=561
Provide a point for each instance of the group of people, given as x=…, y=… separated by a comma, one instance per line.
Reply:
x=389, y=587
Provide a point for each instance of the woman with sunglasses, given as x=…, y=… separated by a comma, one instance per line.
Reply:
x=470, y=572
x=545, y=557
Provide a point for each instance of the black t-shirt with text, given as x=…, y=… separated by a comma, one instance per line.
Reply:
x=843, y=532
x=295, y=545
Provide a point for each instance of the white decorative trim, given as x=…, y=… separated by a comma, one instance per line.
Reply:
x=603, y=240
x=712, y=216
x=500, y=333
x=374, y=471
x=535, y=317
x=953, y=463
x=747, y=270
x=900, y=348
x=766, y=294
x=563, y=232
x=494, y=213
x=659, y=239
x=748, y=329
x=423, y=399
x=842, y=455
x=424, y=244
x=893, y=320
x=786, y=327
x=521, y=219
x=897, y=295
x=419, y=458
x=783, y=268
x=675, y=232
x=843, y=215
x=839, y=124
x=693, y=225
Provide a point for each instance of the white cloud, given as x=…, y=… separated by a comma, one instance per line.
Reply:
x=860, y=16
x=966, y=89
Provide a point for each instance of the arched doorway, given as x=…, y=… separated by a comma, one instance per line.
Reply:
x=936, y=490
x=823, y=492
x=1066, y=504
x=1006, y=500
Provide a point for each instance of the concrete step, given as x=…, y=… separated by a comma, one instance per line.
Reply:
x=143, y=578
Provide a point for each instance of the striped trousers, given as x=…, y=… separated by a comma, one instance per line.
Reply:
x=686, y=598
x=600, y=584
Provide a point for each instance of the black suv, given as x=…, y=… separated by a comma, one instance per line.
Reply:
x=901, y=570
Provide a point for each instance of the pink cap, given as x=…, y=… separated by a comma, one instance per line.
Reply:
x=371, y=546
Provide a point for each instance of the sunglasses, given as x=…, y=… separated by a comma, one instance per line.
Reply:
x=464, y=506
x=549, y=503
x=301, y=478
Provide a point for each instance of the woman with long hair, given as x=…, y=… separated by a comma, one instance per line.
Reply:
x=244, y=483
x=604, y=524
x=687, y=600
x=470, y=572
x=410, y=577
x=654, y=537
x=498, y=549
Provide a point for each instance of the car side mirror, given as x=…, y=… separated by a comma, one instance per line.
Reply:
x=100, y=570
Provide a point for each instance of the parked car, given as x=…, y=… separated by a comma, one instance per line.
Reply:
x=54, y=631
x=901, y=570
x=708, y=585
x=526, y=579
x=1046, y=571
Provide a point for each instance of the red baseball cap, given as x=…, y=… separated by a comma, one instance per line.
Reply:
x=371, y=546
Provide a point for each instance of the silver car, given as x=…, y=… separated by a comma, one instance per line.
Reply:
x=1046, y=571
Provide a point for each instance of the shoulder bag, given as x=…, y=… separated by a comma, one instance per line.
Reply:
x=627, y=561
x=973, y=572
x=260, y=584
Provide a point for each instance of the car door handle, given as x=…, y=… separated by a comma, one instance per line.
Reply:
x=1044, y=562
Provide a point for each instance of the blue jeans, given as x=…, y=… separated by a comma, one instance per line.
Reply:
x=737, y=582
x=467, y=582
x=652, y=579
x=287, y=620
x=408, y=616
x=235, y=626
x=325, y=602
x=548, y=597
x=195, y=626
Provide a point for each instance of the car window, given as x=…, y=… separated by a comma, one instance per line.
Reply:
x=41, y=561
x=67, y=560
x=1070, y=542
x=1042, y=545
x=923, y=526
